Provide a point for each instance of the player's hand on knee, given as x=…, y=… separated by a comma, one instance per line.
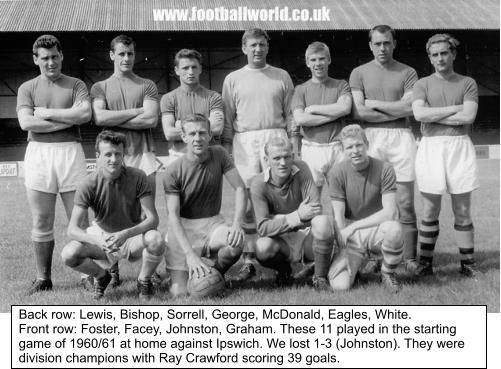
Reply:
x=196, y=265
x=346, y=233
x=100, y=241
x=116, y=240
x=235, y=236
x=308, y=210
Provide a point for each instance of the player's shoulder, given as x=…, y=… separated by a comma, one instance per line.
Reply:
x=363, y=67
x=402, y=66
x=235, y=74
x=341, y=167
x=380, y=165
x=303, y=85
x=132, y=172
x=89, y=181
x=174, y=167
x=217, y=152
x=258, y=184
x=30, y=83
x=101, y=84
x=426, y=80
x=336, y=83
x=171, y=94
x=206, y=93
x=301, y=165
x=211, y=93
x=464, y=79
x=276, y=70
x=69, y=79
x=140, y=80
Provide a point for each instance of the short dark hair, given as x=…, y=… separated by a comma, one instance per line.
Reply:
x=195, y=118
x=254, y=33
x=187, y=54
x=122, y=39
x=382, y=28
x=442, y=37
x=114, y=138
x=46, y=42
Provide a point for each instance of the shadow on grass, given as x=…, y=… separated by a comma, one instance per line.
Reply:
x=446, y=268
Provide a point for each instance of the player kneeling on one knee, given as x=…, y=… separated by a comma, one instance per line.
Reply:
x=193, y=185
x=287, y=208
x=362, y=190
x=117, y=194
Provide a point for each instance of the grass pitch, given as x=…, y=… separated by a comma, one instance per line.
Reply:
x=446, y=287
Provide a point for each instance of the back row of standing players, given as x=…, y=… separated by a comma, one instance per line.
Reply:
x=259, y=104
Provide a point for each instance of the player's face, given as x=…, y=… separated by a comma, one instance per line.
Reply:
x=355, y=149
x=50, y=62
x=196, y=135
x=123, y=58
x=280, y=161
x=189, y=71
x=441, y=57
x=318, y=64
x=110, y=158
x=256, y=50
x=382, y=46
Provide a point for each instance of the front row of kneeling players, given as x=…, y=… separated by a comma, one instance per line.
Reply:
x=201, y=247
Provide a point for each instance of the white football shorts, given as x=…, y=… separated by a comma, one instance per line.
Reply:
x=321, y=158
x=446, y=164
x=396, y=146
x=54, y=167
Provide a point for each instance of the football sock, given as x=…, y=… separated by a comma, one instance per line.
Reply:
x=149, y=264
x=249, y=253
x=322, y=250
x=250, y=230
x=89, y=267
x=226, y=257
x=278, y=262
x=410, y=236
x=392, y=255
x=43, y=256
x=428, y=235
x=464, y=236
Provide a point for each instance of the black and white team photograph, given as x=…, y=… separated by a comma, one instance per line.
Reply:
x=239, y=153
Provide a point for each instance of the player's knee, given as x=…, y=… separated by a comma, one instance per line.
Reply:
x=237, y=250
x=431, y=210
x=406, y=211
x=154, y=242
x=461, y=214
x=266, y=248
x=43, y=222
x=393, y=234
x=321, y=227
x=71, y=254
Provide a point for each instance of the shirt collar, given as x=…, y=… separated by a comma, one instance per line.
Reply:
x=267, y=172
x=187, y=90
